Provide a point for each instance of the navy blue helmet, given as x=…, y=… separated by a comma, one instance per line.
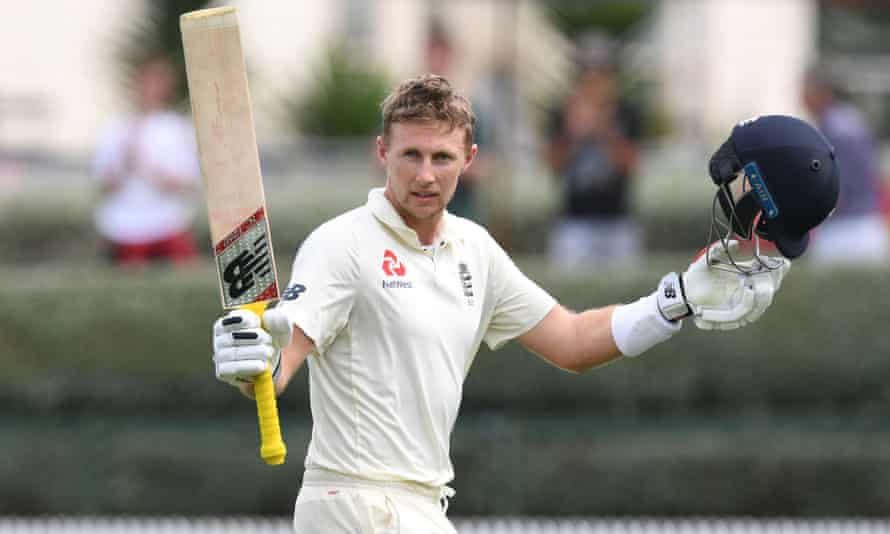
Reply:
x=792, y=180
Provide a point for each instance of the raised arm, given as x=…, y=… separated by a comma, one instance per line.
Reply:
x=573, y=341
x=716, y=296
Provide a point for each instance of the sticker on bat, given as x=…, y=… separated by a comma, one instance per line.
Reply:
x=244, y=261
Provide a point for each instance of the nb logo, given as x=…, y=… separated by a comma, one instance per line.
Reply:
x=670, y=291
x=392, y=265
x=293, y=292
x=240, y=274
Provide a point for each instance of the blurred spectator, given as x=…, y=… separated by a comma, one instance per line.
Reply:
x=856, y=232
x=439, y=56
x=593, y=152
x=146, y=166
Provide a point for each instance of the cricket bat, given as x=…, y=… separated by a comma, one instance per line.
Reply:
x=230, y=165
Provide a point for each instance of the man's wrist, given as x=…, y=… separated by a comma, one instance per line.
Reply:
x=640, y=325
x=672, y=303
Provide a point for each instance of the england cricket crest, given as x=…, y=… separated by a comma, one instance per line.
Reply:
x=466, y=282
x=245, y=263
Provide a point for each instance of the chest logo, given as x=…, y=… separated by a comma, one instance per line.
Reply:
x=466, y=281
x=391, y=264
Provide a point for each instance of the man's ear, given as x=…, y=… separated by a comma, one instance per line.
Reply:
x=470, y=157
x=382, y=150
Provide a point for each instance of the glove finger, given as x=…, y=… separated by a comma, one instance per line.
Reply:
x=236, y=320
x=710, y=287
x=719, y=253
x=763, y=297
x=242, y=338
x=228, y=371
x=732, y=325
x=701, y=324
x=779, y=274
x=722, y=315
x=254, y=352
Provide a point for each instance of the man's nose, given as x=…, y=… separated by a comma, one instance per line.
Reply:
x=425, y=174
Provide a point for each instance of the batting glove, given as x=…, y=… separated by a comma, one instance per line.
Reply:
x=244, y=347
x=718, y=296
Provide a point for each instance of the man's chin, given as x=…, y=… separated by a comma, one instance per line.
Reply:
x=427, y=212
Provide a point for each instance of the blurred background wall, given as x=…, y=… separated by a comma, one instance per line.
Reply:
x=62, y=82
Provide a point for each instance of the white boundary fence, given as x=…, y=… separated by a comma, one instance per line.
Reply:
x=98, y=525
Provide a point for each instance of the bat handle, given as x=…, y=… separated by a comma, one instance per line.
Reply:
x=272, y=448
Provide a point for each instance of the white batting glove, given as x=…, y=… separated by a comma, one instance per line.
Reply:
x=723, y=299
x=242, y=349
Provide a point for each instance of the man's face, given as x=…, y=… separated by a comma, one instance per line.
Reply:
x=155, y=82
x=423, y=161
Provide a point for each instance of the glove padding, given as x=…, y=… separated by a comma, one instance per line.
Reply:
x=243, y=346
x=723, y=299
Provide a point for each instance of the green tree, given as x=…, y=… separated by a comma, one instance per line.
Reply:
x=156, y=34
x=344, y=101
x=614, y=17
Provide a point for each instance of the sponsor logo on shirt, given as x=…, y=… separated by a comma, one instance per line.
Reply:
x=392, y=267
x=397, y=284
x=391, y=264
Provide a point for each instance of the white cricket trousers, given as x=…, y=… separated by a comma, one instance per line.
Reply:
x=332, y=503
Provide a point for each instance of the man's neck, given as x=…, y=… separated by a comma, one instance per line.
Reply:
x=427, y=230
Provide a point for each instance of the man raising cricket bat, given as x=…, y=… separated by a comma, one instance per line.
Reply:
x=389, y=303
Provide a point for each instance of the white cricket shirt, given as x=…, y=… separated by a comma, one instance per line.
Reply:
x=396, y=329
x=140, y=210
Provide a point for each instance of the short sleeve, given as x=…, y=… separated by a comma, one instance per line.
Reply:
x=321, y=292
x=518, y=302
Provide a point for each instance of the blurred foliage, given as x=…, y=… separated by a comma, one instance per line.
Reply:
x=505, y=465
x=802, y=357
x=344, y=100
x=856, y=27
x=614, y=17
x=156, y=34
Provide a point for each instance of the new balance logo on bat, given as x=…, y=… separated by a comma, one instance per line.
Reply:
x=241, y=273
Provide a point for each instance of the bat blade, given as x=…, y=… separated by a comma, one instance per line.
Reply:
x=233, y=184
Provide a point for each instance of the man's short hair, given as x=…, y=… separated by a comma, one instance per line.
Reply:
x=428, y=98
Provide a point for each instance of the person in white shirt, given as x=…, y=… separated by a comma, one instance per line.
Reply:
x=146, y=166
x=389, y=304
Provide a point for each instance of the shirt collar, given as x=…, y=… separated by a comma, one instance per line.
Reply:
x=384, y=211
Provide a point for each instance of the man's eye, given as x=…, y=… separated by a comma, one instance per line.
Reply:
x=443, y=157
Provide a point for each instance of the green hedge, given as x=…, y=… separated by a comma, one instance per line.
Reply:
x=785, y=417
x=119, y=342
x=505, y=465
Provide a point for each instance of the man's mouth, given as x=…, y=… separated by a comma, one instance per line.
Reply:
x=425, y=195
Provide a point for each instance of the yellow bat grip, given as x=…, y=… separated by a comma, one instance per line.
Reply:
x=272, y=448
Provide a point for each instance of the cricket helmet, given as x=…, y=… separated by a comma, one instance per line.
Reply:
x=791, y=180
